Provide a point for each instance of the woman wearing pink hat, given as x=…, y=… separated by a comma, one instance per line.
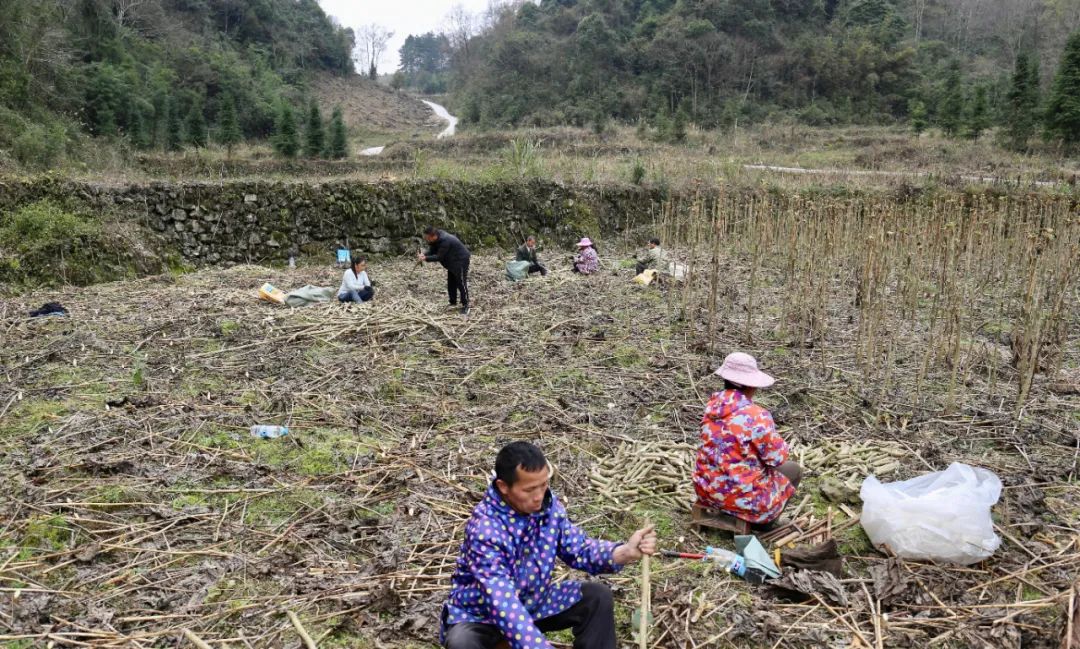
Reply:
x=586, y=261
x=742, y=466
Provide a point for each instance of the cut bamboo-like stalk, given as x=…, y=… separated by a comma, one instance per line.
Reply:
x=646, y=604
x=308, y=642
x=646, y=600
x=196, y=640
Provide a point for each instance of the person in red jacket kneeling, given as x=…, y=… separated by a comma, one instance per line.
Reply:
x=742, y=465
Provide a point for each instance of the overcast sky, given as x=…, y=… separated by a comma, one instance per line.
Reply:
x=403, y=17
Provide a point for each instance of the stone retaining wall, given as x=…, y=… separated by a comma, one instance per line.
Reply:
x=242, y=221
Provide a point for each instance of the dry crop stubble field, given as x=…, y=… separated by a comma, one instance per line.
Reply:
x=135, y=505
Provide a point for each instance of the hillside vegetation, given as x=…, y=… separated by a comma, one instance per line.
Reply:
x=154, y=73
x=718, y=63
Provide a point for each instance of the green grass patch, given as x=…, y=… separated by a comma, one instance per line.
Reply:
x=219, y=438
x=189, y=500
x=392, y=386
x=112, y=494
x=628, y=356
x=345, y=639
x=199, y=384
x=52, y=244
x=68, y=374
x=212, y=345
x=384, y=508
x=669, y=524
x=45, y=534
x=519, y=416
x=854, y=541
x=249, y=398
x=575, y=379
x=238, y=593
x=312, y=451
x=1030, y=593
x=33, y=415
x=271, y=510
x=566, y=636
x=491, y=374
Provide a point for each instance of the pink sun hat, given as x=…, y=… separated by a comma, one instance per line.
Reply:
x=586, y=241
x=741, y=369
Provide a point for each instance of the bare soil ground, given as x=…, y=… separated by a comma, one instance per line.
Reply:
x=136, y=506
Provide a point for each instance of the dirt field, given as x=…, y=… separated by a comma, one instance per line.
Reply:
x=136, y=505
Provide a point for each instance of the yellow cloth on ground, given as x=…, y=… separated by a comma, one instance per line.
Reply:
x=646, y=277
x=270, y=294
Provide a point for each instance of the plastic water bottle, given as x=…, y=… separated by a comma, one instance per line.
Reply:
x=269, y=432
x=292, y=262
x=728, y=560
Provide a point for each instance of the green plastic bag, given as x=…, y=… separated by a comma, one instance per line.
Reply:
x=517, y=270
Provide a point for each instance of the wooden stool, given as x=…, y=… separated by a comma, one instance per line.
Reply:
x=717, y=520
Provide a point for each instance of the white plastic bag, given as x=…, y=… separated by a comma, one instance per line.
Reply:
x=942, y=516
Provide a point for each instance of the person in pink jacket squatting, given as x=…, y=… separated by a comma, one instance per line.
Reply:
x=586, y=261
x=502, y=591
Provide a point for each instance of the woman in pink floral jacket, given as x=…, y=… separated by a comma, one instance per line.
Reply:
x=742, y=465
x=586, y=261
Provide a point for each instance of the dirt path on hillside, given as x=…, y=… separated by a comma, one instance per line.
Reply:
x=369, y=105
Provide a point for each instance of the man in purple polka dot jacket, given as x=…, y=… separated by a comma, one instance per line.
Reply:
x=502, y=592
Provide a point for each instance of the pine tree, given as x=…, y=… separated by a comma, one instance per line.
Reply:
x=196, y=125
x=951, y=109
x=678, y=126
x=159, y=119
x=286, y=139
x=917, y=114
x=314, y=136
x=104, y=121
x=978, y=119
x=229, y=134
x=1063, y=105
x=141, y=136
x=1023, y=102
x=663, y=125
x=106, y=96
x=339, y=144
x=1035, y=79
x=174, y=135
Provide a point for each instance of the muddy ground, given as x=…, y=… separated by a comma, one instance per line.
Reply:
x=134, y=505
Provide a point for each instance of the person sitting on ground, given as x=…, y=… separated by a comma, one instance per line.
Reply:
x=355, y=285
x=654, y=258
x=527, y=253
x=502, y=589
x=586, y=261
x=742, y=465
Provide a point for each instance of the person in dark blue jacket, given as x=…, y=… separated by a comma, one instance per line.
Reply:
x=448, y=250
x=503, y=588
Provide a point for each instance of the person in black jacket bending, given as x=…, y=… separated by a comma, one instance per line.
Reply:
x=448, y=250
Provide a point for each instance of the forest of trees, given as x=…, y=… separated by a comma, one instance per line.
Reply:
x=949, y=63
x=425, y=63
x=160, y=73
x=174, y=74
